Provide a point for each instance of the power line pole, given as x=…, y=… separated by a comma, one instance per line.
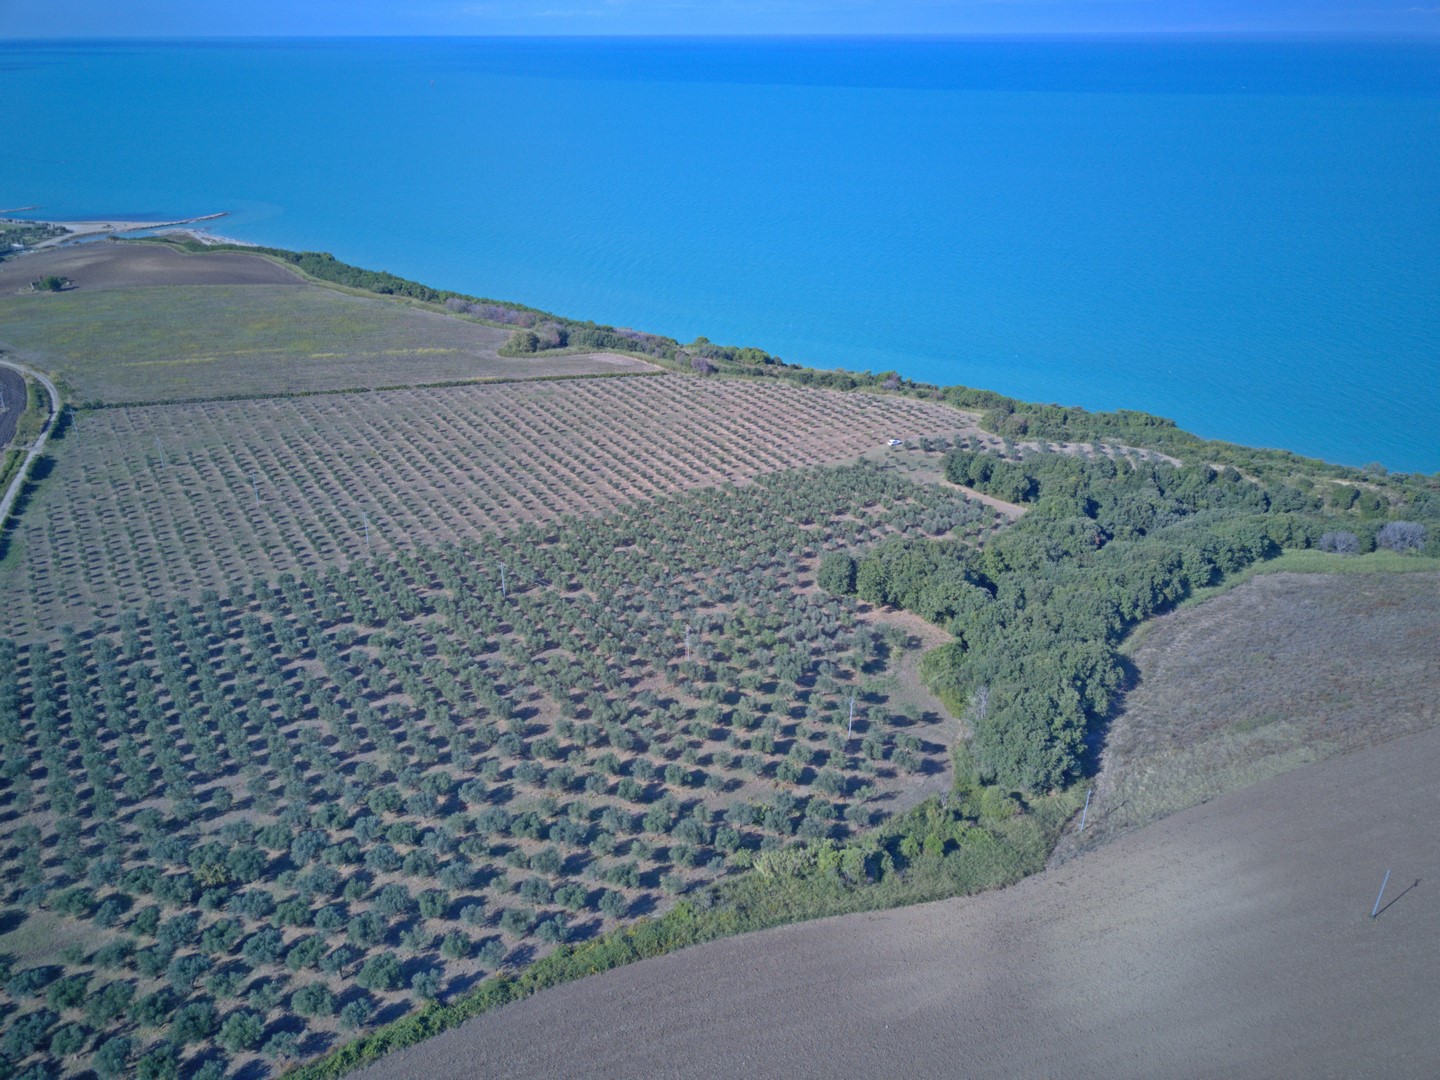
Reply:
x=850, y=727
x=503, y=593
x=255, y=487
x=365, y=520
x=161, y=447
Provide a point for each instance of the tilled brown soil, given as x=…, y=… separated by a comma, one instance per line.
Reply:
x=1284, y=670
x=104, y=265
x=1233, y=939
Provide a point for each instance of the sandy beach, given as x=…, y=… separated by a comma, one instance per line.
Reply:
x=85, y=230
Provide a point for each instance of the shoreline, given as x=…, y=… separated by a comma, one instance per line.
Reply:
x=76, y=231
x=87, y=230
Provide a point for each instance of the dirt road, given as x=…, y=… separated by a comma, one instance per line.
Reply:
x=1233, y=939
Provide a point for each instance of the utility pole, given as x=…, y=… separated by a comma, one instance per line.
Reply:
x=850, y=728
x=365, y=520
x=503, y=593
x=161, y=447
x=255, y=487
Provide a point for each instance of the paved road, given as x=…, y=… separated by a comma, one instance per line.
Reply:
x=37, y=447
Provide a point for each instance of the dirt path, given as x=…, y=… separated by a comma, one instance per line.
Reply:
x=1013, y=511
x=1233, y=939
x=911, y=692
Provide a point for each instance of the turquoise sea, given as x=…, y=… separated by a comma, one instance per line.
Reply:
x=1243, y=235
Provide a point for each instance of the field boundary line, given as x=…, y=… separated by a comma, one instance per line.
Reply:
x=36, y=448
x=484, y=380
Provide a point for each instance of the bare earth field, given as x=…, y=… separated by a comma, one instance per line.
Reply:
x=146, y=324
x=151, y=502
x=1284, y=670
x=1233, y=939
x=101, y=265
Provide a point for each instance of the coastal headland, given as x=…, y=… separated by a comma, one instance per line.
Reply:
x=381, y=658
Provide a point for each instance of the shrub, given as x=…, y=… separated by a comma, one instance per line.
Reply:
x=394, y=900
x=837, y=573
x=282, y=1046
x=195, y=1022
x=314, y=999
x=27, y=1034
x=177, y=931
x=426, y=984
x=109, y=1002
x=355, y=1013
x=264, y=947
x=158, y=1063
x=517, y=921
x=153, y=961
x=306, y=952
x=1342, y=543
x=152, y=1010
x=24, y=983
x=1401, y=536
x=380, y=972
x=115, y=954
x=225, y=984
x=67, y=993
x=70, y=1039
x=247, y=863
x=456, y=946
x=184, y=970
x=241, y=1031
x=254, y=904
x=112, y=1058
x=146, y=920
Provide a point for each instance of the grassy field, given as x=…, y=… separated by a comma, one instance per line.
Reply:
x=1286, y=669
x=204, y=341
x=166, y=501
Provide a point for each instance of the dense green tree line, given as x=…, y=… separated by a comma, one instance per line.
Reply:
x=1038, y=612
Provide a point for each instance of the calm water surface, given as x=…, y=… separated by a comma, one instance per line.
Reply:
x=1244, y=236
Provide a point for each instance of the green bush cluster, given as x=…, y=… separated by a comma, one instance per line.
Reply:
x=1038, y=613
